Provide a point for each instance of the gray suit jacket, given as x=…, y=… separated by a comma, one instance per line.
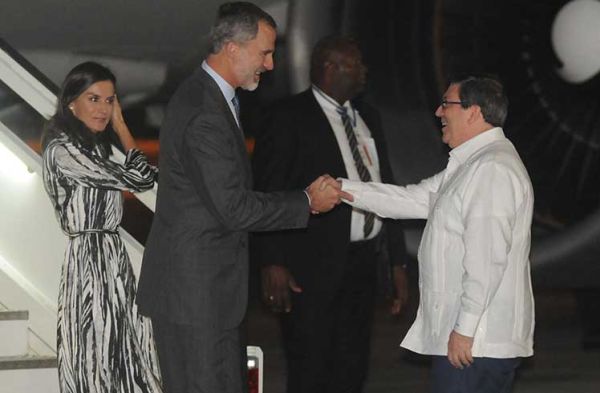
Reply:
x=195, y=266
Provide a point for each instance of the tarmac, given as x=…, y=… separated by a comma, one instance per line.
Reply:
x=559, y=364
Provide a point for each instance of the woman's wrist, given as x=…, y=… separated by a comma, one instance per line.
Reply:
x=120, y=128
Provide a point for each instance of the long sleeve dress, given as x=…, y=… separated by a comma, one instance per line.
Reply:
x=103, y=344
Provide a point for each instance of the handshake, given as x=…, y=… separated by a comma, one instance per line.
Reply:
x=325, y=193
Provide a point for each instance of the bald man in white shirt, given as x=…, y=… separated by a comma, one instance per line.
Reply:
x=476, y=312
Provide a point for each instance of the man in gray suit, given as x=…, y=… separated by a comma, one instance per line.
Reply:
x=194, y=275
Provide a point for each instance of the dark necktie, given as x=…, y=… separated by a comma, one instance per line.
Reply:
x=236, y=105
x=363, y=172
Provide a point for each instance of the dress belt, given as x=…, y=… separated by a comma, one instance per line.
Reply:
x=99, y=231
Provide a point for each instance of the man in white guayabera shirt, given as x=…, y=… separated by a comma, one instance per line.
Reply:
x=476, y=313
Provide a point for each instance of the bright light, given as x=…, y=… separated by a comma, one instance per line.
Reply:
x=576, y=40
x=12, y=167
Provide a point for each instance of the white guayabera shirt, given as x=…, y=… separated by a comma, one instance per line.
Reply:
x=474, y=271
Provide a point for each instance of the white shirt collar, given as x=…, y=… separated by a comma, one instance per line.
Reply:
x=468, y=148
x=326, y=100
x=227, y=90
x=328, y=103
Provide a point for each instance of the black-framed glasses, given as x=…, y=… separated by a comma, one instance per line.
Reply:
x=445, y=103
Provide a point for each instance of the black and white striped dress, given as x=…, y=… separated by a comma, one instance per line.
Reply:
x=103, y=344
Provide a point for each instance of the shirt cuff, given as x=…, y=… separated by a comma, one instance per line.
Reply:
x=350, y=185
x=308, y=197
x=343, y=181
x=466, y=324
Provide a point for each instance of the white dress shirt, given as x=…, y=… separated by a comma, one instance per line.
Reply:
x=366, y=148
x=474, y=255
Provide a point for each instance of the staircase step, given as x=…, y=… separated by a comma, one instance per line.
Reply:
x=27, y=362
x=20, y=374
x=14, y=315
x=14, y=333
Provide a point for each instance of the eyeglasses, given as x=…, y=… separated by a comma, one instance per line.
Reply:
x=445, y=103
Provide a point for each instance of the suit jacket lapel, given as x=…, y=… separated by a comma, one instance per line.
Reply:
x=238, y=134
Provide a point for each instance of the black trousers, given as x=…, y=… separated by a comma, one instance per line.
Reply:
x=327, y=333
x=484, y=375
x=194, y=360
x=588, y=304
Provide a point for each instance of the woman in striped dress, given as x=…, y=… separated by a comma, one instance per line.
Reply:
x=103, y=344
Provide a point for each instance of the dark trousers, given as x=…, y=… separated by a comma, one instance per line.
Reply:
x=194, y=360
x=588, y=304
x=484, y=375
x=327, y=333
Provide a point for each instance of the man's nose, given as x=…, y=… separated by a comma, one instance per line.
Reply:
x=269, y=63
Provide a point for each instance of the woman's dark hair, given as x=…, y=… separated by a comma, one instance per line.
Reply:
x=78, y=80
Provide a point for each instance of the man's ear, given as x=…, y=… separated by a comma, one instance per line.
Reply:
x=231, y=48
x=475, y=114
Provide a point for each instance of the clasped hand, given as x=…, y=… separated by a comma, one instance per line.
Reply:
x=325, y=193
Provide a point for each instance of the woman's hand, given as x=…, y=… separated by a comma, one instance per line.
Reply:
x=120, y=127
x=118, y=122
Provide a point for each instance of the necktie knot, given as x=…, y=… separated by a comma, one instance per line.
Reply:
x=236, y=105
x=342, y=110
x=347, y=119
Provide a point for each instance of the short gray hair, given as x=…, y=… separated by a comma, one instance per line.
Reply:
x=237, y=22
